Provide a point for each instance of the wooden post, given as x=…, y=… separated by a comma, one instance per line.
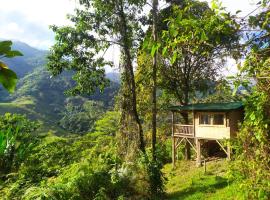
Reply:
x=198, y=147
x=173, y=142
x=204, y=162
x=228, y=151
x=194, y=126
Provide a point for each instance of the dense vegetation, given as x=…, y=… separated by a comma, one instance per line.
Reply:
x=43, y=98
x=72, y=131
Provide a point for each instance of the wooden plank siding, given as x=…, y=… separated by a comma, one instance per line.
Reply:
x=210, y=131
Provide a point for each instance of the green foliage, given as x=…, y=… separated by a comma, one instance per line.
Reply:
x=98, y=25
x=5, y=50
x=76, y=168
x=80, y=114
x=8, y=78
x=253, y=141
x=155, y=175
x=16, y=140
x=94, y=23
x=65, y=55
x=108, y=124
x=253, y=145
x=194, y=44
x=222, y=92
x=42, y=98
x=186, y=181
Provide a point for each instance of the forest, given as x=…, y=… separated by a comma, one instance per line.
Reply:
x=69, y=129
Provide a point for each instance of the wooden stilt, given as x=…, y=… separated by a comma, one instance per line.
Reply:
x=173, y=142
x=228, y=151
x=198, y=147
x=173, y=152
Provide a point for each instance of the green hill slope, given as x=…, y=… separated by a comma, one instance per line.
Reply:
x=187, y=182
x=41, y=97
x=31, y=59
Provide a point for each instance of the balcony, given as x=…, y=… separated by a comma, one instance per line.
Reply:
x=183, y=130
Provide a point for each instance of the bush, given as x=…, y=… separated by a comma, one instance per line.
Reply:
x=253, y=146
x=16, y=140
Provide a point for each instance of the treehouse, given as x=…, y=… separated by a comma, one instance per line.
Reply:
x=198, y=123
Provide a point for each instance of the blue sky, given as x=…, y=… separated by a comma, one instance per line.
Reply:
x=28, y=20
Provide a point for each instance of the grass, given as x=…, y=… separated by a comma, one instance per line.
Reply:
x=187, y=182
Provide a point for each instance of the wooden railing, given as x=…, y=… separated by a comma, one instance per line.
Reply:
x=180, y=129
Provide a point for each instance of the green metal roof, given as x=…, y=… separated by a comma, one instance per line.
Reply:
x=208, y=107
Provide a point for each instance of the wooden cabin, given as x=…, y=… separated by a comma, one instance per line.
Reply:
x=197, y=123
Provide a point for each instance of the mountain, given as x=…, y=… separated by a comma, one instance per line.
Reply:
x=31, y=59
x=113, y=76
x=41, y=97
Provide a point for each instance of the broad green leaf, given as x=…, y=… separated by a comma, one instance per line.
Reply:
x=203, y=36
x=12, y=54
x=153, y=50
x=8, y=78
x=146, y=43
x=164, y=51
x=5, y=46
x=238, y=11
x=174, y=57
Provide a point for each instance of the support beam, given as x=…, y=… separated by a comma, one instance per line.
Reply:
x=173, y=152
x=198, y=147
x=178, y=143
x=228, y=151
x=173, y=142
x=191, y=145
x=194, y=125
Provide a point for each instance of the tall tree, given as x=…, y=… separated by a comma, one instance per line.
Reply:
x=98, y=25
x=154, y=77
x=194, y=43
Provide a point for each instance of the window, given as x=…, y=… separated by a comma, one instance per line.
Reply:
x=213, y=119
x=205, y=119
x=218, y=119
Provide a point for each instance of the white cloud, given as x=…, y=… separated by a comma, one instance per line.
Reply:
x=44, y=11
x=28, y=20
x=13, y=27
x=246, y=6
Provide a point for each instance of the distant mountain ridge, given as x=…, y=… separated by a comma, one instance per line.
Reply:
x=31, y=63
x=37, y=94
x=31, y=59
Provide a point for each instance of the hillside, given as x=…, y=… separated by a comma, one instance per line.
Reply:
x=31, y=59
x=40, y=96
x=187, y=182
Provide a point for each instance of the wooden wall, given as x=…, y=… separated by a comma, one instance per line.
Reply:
x=225, y=131
x=235, y=117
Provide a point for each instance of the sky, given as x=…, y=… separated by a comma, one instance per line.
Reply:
x=28, y=20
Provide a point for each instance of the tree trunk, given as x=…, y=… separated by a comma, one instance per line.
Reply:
x=154, y=77
x=129, y=71
x=187, y=152
x=185, y=116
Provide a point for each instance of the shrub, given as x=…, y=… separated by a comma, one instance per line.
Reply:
x=16, y=140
